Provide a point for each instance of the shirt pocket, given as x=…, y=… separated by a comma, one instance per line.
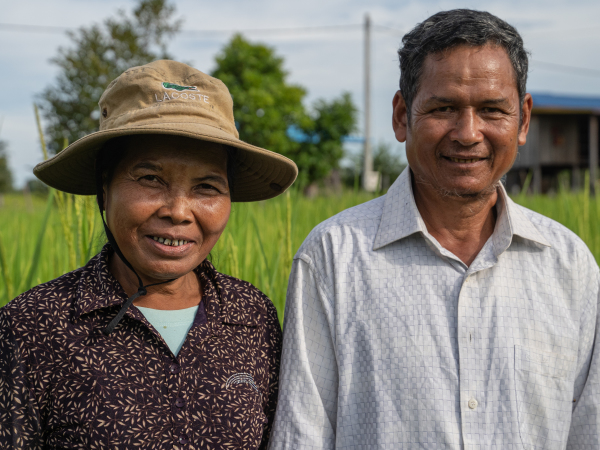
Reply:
x=544, y=395
x=247, y=418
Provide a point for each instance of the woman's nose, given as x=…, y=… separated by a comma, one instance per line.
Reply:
x=467, y=131
x=176, y=208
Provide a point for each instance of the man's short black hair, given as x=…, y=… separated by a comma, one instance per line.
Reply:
x=449, y=29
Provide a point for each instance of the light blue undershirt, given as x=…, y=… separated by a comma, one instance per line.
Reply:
x=173, y=325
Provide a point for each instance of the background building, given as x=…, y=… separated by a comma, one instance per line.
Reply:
x=563, y=136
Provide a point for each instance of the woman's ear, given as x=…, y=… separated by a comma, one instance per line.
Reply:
x=104, y=196
x=399, y=117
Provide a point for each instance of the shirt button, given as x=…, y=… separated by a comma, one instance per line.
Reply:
x=174, y=368
x=183, y=439
x=472, y=403
x=179, y=402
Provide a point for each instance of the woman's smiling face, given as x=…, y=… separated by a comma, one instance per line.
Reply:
x=168, y=203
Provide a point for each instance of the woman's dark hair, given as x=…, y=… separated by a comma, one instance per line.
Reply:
x=114, y=151
x=449, y=29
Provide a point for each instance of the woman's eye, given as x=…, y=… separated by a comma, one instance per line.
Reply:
x=149, y=178
x=205, y=186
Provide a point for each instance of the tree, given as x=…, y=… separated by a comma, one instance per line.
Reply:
x=322, y=150
x=269, y=111
x=388, y=164
x=99, y=54
x=264, y=104
x=6, y=179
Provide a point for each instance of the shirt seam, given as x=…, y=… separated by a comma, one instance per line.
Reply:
x=591, y=302
x=321, y=286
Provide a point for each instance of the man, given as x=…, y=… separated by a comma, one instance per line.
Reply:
x=443, y=315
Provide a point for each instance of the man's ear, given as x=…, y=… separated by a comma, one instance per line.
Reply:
x=399, y=117
x=526, y=119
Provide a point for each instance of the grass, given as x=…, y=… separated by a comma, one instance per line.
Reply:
x=43, y=238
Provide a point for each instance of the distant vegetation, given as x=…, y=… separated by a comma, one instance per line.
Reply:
x=6, y=178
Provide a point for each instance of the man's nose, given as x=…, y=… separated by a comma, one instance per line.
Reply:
x=177, y=208
x=467, y=129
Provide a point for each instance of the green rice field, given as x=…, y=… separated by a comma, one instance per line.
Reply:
x=43, y=238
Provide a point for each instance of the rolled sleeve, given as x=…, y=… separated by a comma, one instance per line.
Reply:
x=306, y=412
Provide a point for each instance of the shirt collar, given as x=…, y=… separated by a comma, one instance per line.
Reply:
x=401, y=218
x=98, y=288
x=512, y=221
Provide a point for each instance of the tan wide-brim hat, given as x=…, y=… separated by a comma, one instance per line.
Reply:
x=172, y=98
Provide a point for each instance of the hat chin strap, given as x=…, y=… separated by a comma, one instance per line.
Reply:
x=142, y=290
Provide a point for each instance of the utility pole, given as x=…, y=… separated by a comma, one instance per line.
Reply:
x=593, y=157
x=367, y=180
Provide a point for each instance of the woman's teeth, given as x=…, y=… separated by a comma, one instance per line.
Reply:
x=172, y=243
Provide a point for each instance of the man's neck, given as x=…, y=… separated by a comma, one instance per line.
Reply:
x=461, y=225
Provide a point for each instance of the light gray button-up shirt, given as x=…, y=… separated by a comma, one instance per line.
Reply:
x=391, y=342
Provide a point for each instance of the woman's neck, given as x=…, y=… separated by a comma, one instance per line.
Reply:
x=183, y=292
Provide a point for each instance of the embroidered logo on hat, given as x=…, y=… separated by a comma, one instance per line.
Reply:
x=177, y=87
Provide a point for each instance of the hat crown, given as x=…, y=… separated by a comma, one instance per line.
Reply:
x=166, y=91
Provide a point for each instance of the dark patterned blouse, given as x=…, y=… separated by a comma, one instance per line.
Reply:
x=65, y=385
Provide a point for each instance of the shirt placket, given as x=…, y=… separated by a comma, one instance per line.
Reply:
x=174, y=369
x=175, y=372
x=474, y=342
x=183, y=435
x=470, y=363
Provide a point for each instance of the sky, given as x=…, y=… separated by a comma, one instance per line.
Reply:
x=562, y=36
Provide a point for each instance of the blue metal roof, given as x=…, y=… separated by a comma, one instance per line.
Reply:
x=565, y=102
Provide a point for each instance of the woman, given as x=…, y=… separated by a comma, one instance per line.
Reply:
x=148, y=346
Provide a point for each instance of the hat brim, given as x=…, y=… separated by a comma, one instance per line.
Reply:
x=260, y=174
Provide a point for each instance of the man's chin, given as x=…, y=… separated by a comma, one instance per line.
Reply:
x=467, y=192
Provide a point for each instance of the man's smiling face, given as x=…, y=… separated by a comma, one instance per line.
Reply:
x=465, y=126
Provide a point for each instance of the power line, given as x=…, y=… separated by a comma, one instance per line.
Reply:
x=289, y=30
x=34, y=28
x=569, y=69
x=386, y=29
x=561, y=30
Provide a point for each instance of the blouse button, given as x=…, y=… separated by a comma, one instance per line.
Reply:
x=183, y=439
x=179, y=402
x=174, y=369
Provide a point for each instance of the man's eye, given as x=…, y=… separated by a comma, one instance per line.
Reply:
x=149, y=178
x=444, y=109
x=491, y=110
